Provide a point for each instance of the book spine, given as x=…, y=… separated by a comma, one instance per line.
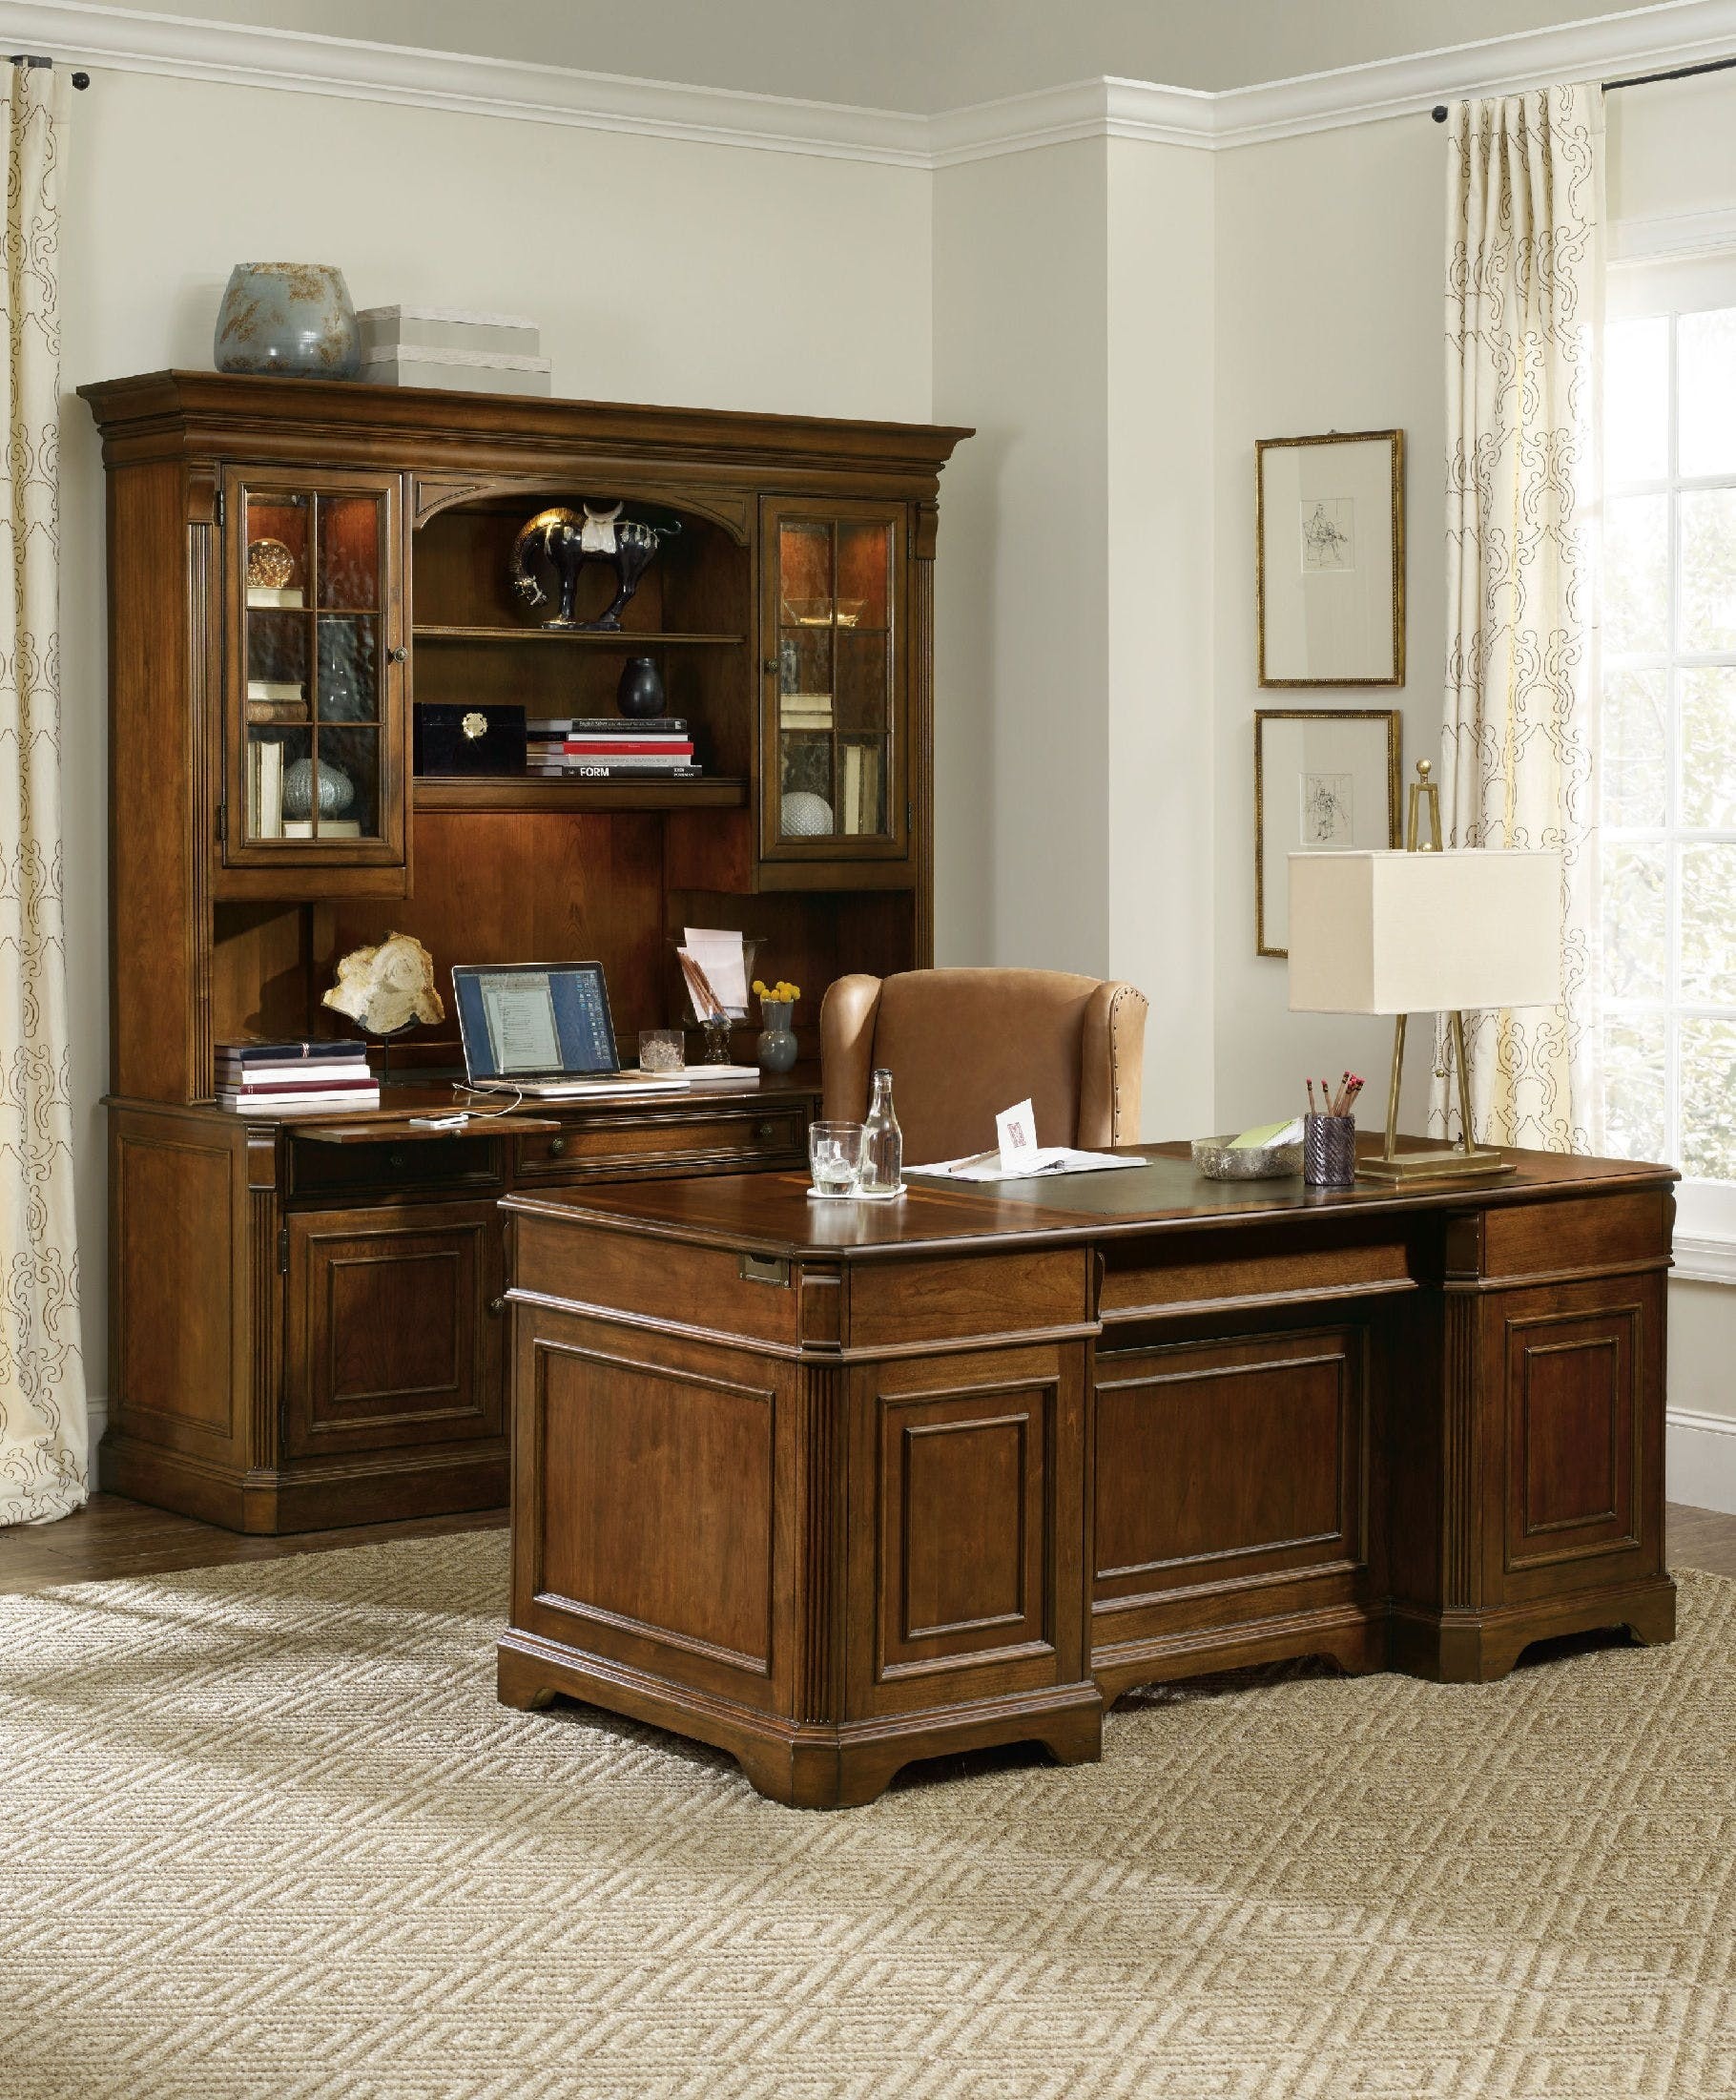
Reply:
x=287, y=1053
x=250, y=1085
x=606, y=725
x=576, y=769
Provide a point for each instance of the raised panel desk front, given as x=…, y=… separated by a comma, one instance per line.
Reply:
x=837, y=1487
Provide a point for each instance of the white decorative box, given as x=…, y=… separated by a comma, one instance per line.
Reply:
x=451, y=346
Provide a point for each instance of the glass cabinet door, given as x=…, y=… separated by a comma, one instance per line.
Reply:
x=316, y=616
x=832, y=611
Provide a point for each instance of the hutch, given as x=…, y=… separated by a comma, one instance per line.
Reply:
x=305, y=1320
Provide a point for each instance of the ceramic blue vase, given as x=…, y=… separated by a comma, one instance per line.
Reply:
x=294, y=320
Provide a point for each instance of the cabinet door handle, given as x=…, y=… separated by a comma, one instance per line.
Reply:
x=398, y=655
x=770, y=666
x=556, y=1147
x=496, y=1307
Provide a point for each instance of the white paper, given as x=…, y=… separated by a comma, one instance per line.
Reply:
x=721, y=957
x=1015, y=1133
x=1044, y=1159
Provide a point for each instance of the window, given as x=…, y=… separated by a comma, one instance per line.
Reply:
x=1669, y=742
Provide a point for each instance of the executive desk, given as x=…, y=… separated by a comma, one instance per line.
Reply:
x=838, y=1486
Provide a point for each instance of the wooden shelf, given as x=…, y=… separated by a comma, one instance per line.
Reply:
x=717, y=793
x=619, y=637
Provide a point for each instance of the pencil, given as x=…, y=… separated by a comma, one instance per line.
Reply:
x=1311, y=1097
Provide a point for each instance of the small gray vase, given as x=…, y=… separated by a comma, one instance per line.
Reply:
x=292, y=320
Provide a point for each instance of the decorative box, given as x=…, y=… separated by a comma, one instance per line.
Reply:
x=465, y=743
x=450, y=347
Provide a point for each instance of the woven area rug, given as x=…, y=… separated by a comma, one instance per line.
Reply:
x=266, y=1832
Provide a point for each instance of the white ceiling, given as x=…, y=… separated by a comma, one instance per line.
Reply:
x=914, y=55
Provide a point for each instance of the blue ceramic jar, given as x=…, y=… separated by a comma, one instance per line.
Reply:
x=294, y=320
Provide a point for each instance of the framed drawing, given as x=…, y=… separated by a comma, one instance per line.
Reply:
x=1328, y=558
x=1324, y=781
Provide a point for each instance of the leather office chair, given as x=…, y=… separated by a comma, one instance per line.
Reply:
x=961, y=1045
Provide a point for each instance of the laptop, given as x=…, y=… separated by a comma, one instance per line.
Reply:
x=543, y=1029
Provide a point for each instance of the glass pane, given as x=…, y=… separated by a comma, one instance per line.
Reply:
x=864, y=575
x=1707, y=793
x=1635, y=1107
x=348, y=540
x=274, y=757
x=1634, y=748
x=863, y=787
x=1636, y=578
x=804, y=575
x=277, y=665
x=348, y=689
x=1707, y=911
x=864, y=681
x=1705, y=378
x=276, y=550
x=1635, y=923
x=1636, y=401
x=804, y=677
x=1709, y=570
x=807, y=807
x=337, y=795
x=1708, y=1100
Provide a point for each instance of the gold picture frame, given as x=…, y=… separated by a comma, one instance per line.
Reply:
x=1336, y=794
x=1329, y=559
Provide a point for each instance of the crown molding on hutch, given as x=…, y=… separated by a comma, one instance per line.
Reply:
x=1675, y=32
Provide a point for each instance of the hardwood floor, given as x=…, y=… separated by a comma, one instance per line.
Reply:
x=112, y=1536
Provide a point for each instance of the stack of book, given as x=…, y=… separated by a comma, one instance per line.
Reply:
x=611, y=748
x=805, y=711
x=269, y=1078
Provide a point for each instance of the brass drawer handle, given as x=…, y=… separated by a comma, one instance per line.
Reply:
x=556, y=1147
x=496, y=1307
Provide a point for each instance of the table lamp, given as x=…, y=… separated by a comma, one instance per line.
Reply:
x=1425, y=931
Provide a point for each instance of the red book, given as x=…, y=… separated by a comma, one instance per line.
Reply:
x=617, y=744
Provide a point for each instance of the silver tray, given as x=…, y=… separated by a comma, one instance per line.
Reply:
x=1219, y=1160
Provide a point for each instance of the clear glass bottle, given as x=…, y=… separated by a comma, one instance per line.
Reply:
x=882, y=1142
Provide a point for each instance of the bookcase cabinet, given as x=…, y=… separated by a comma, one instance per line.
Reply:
x=294, y=566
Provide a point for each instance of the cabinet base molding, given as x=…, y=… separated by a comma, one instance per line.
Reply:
x=805, y=1764
x=1480, y=1647
x=1353, y=1636
x=310, y=1499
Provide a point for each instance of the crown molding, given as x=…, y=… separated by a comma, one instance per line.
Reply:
x=1674, y=33
x=241, y=55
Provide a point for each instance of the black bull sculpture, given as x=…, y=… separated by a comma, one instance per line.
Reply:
x=558, y=536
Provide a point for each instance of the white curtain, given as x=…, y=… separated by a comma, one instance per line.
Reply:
x=1524, y=299
x=44, y=1445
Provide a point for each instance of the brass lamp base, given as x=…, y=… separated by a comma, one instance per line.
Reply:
x=1468, y=1161
x=1480, y=1165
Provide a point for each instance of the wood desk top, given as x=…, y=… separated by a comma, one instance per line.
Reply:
x=773, y=1213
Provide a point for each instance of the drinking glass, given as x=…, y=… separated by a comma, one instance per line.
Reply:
x=834, y=1156
x=662, y=1050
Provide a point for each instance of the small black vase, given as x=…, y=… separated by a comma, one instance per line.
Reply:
x=640, y=692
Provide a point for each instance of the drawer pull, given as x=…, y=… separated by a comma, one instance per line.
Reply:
x=496, y=1307
x=766, y=1132
x=557, y=1145
x=395, y=1157
x=761, y=1268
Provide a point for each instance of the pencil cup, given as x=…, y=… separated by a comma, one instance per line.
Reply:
x=1328, y=1150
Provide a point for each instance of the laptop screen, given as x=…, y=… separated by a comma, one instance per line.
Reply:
x=535, y=1020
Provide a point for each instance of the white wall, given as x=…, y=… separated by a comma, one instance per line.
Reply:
x=659, y=272
x=1329, y=286
x=1021, y=757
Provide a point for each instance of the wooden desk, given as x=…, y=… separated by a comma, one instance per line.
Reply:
x=836, y=1488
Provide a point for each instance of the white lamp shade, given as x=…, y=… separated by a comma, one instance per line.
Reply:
x=1424, y=932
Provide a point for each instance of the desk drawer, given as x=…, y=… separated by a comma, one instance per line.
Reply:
x=749, y=1135
x=393, y=1166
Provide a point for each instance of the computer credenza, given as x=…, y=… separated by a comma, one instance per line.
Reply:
x=836, y=1486
x=305, y=1316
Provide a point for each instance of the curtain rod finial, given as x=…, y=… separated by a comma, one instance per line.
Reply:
x=81, y=81
x=1440, y=113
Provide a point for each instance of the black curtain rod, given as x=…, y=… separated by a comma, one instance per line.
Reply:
x=1440, y=111
x=28, y=58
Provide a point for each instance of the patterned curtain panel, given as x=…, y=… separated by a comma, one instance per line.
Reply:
x=44, y=1447
x=1524, y=297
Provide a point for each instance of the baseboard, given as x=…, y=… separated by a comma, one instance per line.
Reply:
x=97, y=1414
x=1699, y=1460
